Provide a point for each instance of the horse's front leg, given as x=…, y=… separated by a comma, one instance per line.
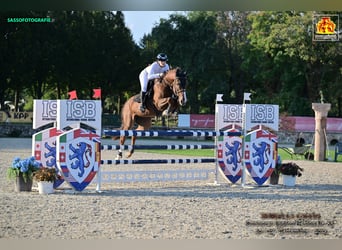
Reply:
x=171, y=108
x=168, y=105
x=163, y=104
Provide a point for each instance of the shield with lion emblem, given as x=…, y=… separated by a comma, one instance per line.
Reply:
x=229, y=156
x=260, y=154
x=78, y=157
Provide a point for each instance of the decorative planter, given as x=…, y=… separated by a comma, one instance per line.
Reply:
x=21, y=185
x=289, y=180
x=45, y=187
x=274, y=178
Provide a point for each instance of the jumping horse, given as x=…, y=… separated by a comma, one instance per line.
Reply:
x=167, y=94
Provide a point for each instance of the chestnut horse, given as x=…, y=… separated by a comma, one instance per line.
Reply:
x=168, y=93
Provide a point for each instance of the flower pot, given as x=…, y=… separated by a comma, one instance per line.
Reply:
x=21, y=185
x=45, y=187
x=289, y=180
x=274, y=178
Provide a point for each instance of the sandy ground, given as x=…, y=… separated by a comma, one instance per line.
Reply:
x=174, y=210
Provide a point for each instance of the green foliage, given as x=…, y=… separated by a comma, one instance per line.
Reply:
x=211, y=152
x=270, y=54
x=79, y=50
x=288, y=64
x=12, y=173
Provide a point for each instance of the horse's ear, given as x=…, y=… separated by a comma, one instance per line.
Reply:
x=179, y=71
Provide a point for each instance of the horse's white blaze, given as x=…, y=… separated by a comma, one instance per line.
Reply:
x=185, y=99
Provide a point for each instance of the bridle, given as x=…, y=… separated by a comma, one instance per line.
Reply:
x=176, y=82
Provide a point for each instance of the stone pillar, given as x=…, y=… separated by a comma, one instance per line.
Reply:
x=321, y=113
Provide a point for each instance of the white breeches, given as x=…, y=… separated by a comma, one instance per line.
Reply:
x=143, y=81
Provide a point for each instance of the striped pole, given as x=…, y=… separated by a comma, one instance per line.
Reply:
x=156, y=133
x=158, y=161
x=181, y=146
x=156, y=175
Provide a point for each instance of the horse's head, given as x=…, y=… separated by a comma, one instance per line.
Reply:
x=176, y=79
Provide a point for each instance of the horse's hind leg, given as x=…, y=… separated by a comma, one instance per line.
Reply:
x=131, y=151
x=122, y=142
x=127, y=123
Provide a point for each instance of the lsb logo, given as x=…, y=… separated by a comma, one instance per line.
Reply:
x=49, y=109
x=262, y=112
x=80, y=109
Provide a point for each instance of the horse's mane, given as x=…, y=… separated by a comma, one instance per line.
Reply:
x=177, y=71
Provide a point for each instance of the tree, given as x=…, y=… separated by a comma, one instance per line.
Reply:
x=78, y=50
x=233, y=29
x=290, y=65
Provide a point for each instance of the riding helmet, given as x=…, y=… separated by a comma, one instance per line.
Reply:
x=162, y=57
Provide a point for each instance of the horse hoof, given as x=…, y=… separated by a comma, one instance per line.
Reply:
x=118, y=156
x=128, y=155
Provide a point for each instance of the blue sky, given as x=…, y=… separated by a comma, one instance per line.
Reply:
x=142, y=22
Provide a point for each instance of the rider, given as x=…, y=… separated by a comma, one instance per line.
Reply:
x=154, y=70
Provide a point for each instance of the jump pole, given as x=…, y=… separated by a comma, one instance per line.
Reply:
x=127, y=175
x=218, y=99
x=246, y=97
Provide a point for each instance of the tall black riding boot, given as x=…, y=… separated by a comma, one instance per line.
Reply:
x=143, y=99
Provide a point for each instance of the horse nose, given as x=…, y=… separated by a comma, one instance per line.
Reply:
x=183, y=100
